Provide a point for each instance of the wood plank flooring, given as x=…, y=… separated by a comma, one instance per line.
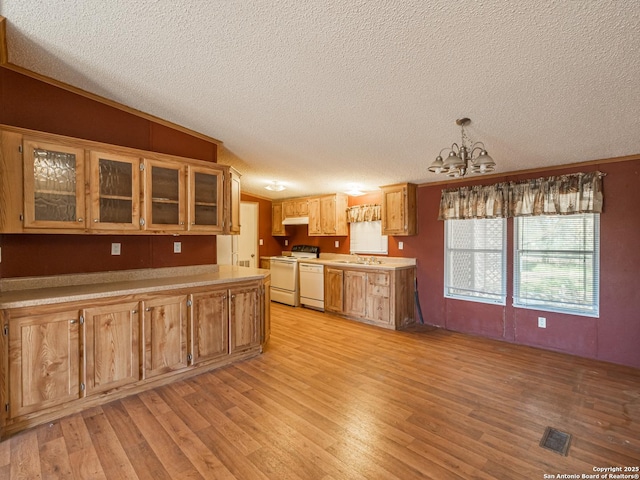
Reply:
x=334, y=399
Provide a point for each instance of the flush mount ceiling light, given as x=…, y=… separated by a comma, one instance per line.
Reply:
x=461, y=157
x=354, y=190
x=275, y=186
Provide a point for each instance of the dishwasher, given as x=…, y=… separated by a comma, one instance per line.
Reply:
x=311, y=285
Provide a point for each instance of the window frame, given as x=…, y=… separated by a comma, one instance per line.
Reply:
x=547, y=305
x=447, y=267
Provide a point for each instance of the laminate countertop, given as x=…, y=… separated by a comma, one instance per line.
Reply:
x=362, y=261
x=33, y=291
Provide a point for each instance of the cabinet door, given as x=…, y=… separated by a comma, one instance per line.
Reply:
x=377, y=295
x=206, y=211
x=234, y=203
x=164, y=195
x=315, y=226
x=165, y=334
x=328, y=215
x=398, y=210
x=277, y=228
x=54, y=187
x=355, y=287
x=111, y=346
x=209, y=325
x=244, y=325
x=44, y=361
x=288, y=209
x=333, y=289
x=114, y=184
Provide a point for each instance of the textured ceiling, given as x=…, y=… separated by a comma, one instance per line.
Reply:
x=319, y=95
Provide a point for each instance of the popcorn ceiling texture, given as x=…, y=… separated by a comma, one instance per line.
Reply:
x=318, y=95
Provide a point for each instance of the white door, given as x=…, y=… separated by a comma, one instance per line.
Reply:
x=241, y=249
x=248, y=238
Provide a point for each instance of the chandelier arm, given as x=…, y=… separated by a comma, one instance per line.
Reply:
x=476, y=146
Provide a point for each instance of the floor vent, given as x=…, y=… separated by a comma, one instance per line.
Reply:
x=556, y=441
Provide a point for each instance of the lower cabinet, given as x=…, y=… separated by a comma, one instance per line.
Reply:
x=244, y=320
x=165, y=334
x=111, y=346
x=58, y=358
x=44, y=361
x=380, y=297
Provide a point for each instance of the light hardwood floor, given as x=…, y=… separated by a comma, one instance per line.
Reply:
x=334, y=399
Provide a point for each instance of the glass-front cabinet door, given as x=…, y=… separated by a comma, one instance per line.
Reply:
x=164, y=195
x=53, y=185
x=205, y=199
x=114, y=183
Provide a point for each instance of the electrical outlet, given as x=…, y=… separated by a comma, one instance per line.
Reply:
x=542, y=322
x=115, y=248
x=261, y=242
x=286, y=242
x=337, y=243
x=177, y=247
x=400, y=245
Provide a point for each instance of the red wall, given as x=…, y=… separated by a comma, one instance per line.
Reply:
x=29, y=103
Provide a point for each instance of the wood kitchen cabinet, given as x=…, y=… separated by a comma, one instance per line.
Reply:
x=244, y=317
x=111, y=346
x=380, y=297
x=328, y=215
x=206, y=196
x=333, y=289
x=233, y=216
x=297, y=207
x=61, y=184
x=165, y=334
x=399, y=212
x=209, y=325
x=43, y=360
x=164, y=195
x=54, y=191
x=277, y=215
x=56, y=359
x=114, y=191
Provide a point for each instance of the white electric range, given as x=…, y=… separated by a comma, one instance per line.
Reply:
x=284, y=274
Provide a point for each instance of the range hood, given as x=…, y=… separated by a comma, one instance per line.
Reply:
x=296, y=221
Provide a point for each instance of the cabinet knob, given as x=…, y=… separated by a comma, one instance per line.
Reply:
x=95, y=220
x=81, y=219
x=148, y=309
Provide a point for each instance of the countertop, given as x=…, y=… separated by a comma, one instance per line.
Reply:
x=27, y=292
x=362, y=261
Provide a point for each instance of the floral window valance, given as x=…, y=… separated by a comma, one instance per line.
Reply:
x=363, y=213
x=561, y=195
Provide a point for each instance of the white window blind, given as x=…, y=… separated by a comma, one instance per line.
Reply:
x=475, y=266
x=366, y=237
x=556, y=264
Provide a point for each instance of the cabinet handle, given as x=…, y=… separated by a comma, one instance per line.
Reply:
x=95, y=220
x=134, y=311
x=81, y=219
x=72, y=321
x=148, y=309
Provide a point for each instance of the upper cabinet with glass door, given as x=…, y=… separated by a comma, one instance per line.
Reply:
x=54, y=190
x=164, y=195
x=114, y=186
x=206, y=197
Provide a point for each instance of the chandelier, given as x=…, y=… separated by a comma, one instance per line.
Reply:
x=461, y=157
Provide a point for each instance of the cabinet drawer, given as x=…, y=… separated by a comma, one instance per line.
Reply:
x=378, y=279
x=378, y=290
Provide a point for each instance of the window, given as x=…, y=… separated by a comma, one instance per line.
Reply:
x=556, y=264
x=475, y=266
x=366, y=237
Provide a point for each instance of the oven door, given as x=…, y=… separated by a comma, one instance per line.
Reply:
x=283, y=274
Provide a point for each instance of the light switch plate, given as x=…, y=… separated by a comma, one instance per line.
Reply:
x=337, y=243
x=400, y=245
x=542, y=322
x=177, y=247
x=261, y=242
x=115, y=248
